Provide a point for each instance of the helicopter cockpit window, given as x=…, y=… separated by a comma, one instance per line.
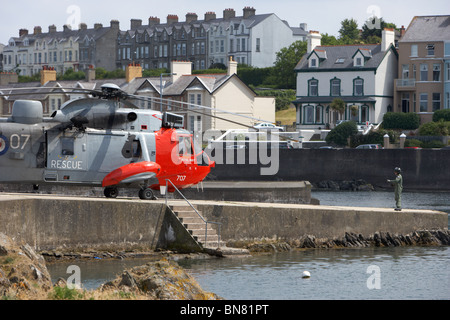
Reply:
x=67, y=146
x=184, y=146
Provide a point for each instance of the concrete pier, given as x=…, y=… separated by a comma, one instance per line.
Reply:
x=49, y=222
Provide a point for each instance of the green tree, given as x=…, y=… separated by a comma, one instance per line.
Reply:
x=328, y=40
x=287, y=59
x=349, y=33
x=371, y=30
x=338, y=105
x=340, y=135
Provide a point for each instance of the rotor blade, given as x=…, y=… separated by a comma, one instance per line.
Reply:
x=200, y=106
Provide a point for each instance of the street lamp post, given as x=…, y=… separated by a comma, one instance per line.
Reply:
x=161, y=86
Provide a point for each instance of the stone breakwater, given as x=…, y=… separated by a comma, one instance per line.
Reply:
x=352, y=240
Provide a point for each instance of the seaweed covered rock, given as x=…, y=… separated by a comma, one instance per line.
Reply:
x=161, y=280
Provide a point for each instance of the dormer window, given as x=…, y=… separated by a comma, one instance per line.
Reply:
x=358, y=62
x=313, y=63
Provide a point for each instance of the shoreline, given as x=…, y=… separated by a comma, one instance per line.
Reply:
x=421, y=238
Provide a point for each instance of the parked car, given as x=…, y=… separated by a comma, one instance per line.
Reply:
x=267, y=126
x=369, y=146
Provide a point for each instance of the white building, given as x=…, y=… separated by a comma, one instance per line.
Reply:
x=361, y=75
x=252, y=39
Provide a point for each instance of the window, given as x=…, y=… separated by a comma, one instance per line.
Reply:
x=423, y=72
x=313, y=63
x=340, y=60
x=309, y=115
x=335, y=87
x=243, y=44
x=430, y=50
x=319, y=114
x=358, y=87
x=447, y=72
x=258, y=44
x=67, y=146
x=414, y=50
x=313, y=88
x=423, y=102
x=364, y=114
x=358, y=62
x=436, y=103
x=405, y=71
x=436, y=72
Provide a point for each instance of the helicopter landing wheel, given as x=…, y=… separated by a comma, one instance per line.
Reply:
x=146, y=194
x=111, y=192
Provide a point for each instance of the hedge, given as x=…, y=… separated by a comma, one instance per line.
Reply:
x=404, y=121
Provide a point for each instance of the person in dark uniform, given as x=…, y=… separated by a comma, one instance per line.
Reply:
x=398, y=188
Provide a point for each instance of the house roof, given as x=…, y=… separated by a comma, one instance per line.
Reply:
x=341, y=57
x=428, y=28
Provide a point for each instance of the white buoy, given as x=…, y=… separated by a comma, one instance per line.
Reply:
x=306, y=274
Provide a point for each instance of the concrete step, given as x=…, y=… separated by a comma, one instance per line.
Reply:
x=196, y=226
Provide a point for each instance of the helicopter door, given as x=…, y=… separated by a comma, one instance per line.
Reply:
x=66, y=151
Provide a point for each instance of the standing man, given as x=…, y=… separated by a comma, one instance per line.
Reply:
x=398, y=184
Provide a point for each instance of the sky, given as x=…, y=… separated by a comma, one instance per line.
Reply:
x=324, y=16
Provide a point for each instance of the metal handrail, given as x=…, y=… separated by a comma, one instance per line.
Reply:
x=201, y=217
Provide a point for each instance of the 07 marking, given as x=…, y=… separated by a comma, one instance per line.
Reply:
x=15, y=141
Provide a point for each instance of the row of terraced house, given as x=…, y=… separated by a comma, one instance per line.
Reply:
x=251, y=39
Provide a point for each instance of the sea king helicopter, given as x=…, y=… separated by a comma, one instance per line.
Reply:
x=101, y=141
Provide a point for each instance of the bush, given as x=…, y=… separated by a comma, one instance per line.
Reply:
x=403, y=121
x=432, y=144
x=440, y=128
x=341, y=133
x=370, y=138
x=413, y=143
x=443, y=114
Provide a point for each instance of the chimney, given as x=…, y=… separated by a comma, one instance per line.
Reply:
x=90, y=74
x=82, y=26
x=67, y=28
x=232, y=67
x=313, y=40
x=114, y=24
x=8, y=77
x=133, y=71
x=52, y=29
x=402, y=31
x=303, y=26
x=210, y=16
x=23, y=32
x=152, y=21
x=387, y=38
x=229, y=13
x=172, y=18
x=98, y=26
x=47, y=74
x=37, y=30
x=249, y=12
x=191, y=17
x=180, y=68
x=135, y=23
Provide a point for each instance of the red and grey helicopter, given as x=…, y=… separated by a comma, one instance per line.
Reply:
x=106, y=142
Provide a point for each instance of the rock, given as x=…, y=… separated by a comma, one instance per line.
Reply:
x=161, y=280
x=23, y=271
